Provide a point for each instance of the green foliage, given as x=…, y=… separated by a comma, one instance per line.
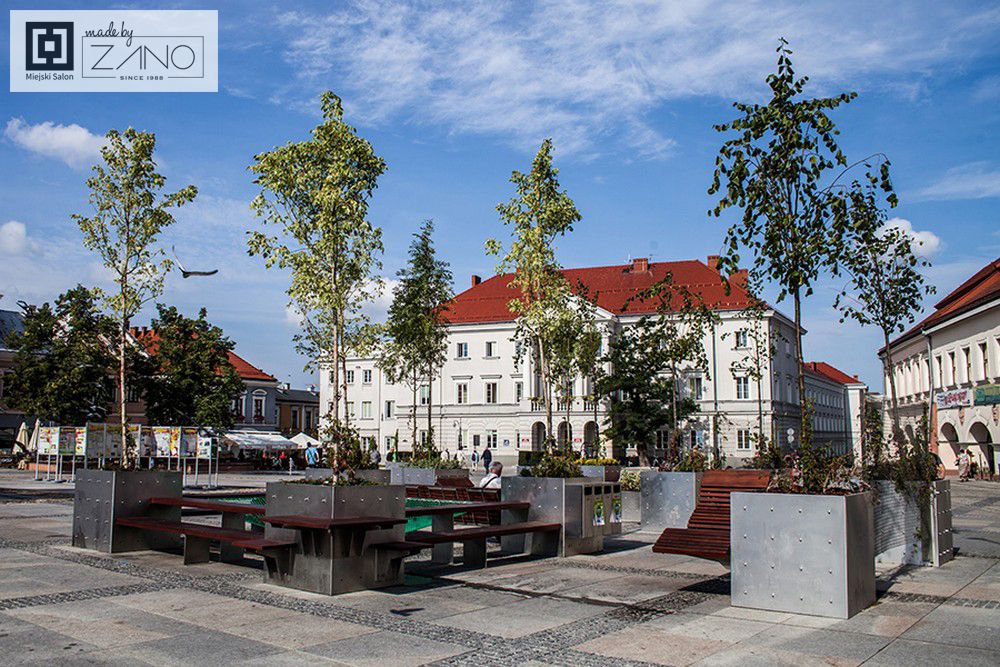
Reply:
x=782, y=168
x=538, y=214
x=315, y=194
x=341, y=446
x=436, y=462
x=767, y=454
x=693, y=460
x=130, y=212
x=416, y=336
x=189, y=379
x=599, y=461
x=62, y=361
x=346, y=479
x=630, y=480
x=557, y=464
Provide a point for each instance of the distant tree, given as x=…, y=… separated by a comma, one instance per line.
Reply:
x=639, y=392
x=539, y=213
x=782, y=169
x=416, y=325
x=189, y=380
x=130, y=211
x=63, y=360
x=316, y=193
x=886, y=286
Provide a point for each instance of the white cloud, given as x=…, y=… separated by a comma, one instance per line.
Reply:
x=75, y=145
x=13, y=238
x=588, y=70
x=925, y=244
x=293, y=317
x=975, y=180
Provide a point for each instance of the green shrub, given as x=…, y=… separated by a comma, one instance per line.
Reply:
x=599, y=462
x=694, y=460
x=630, y=480
x=557, y=464
x=438, y=462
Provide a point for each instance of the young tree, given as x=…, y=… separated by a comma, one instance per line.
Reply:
x=189, y=380
x=639, y=392
x=783, y=171
x=316, y=194
x=538, y=214
x=417, y=323
x=886, y=286
x=63, y=360
x=130, y=211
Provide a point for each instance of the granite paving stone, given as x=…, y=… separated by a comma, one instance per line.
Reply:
x=383, y=648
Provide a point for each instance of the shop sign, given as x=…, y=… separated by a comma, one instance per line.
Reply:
x=988, y=394
x=958, y=398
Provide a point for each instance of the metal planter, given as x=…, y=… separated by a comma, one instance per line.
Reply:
x=668, y=498
x=607, y=473
x=410, y=475
x=803, y=554
x=907, y=534
x=632, y=506
x=588, y=510
x=103, y=496
x=374, y=475
x=337, y=561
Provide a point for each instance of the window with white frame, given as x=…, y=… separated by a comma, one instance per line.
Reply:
x=742, y=387
x=983, y=355
x=425, y=394
x=694, y=387
x=743, y=440
x=491, y=439
x=462, y=350
x=349, y=379
x=462, y=393
x=388, y=443
x=308, y=419
x=491, y=349
x=350, y=409
x=693, y=439
x=366, y=409
x=366, y=376
x=518, y=391
x=259, y=400
x=741, y=339
x=491, y=392
x=390, y=409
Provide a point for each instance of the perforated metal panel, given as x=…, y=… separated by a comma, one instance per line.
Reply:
x=803, y=554
x=668, y=499
x=558, y=500
x=943, y=548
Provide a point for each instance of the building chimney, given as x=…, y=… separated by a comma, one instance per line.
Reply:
x=640, y=265
x=713, y=262
x=476, y=280
x=740, y=278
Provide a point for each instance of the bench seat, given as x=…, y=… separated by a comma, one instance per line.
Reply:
x=198, y=537
x=211, y=505
x=330, y=523
x=467, y=507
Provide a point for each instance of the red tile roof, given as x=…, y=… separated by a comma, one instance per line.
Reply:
x=244, y=368
x=984, y=286
x=610, y=286
x=829, y=372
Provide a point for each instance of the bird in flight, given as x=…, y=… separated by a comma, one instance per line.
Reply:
x=187, y=274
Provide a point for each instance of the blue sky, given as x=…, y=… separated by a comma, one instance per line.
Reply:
x=456, y=96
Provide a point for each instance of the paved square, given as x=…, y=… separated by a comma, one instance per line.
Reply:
x=628, y=606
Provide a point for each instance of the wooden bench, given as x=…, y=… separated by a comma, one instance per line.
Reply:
x=433, y=510
x=233, y=517
x=198, y=537
x=707, y=532
x=443, y=519
x=474, y=539
x=463, y=494
x=348, y=533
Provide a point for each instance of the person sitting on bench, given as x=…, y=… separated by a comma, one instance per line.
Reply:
x=492, y=478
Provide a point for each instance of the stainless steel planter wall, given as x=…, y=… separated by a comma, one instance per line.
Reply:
x=402, y=474
x=943, y=548
x=668, y=498
x=632, y=506
x=331, y=562
x=102, y=496
x=377, y=476
x=907, y=535
x=587, y=508
x=803, y=554
x=607, y=473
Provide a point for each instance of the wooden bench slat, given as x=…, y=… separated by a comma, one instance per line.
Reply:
x=261, y=543
x=214, y=505
x=186, y=528
x=431, y=510
x=482, y=531
x=402, y=545
x=328, y=523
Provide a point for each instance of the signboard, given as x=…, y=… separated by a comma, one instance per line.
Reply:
x=988, y=394
x=599, y=512
x=67, y=441
x=81, y=441
x=113, y=440
x=48, y=440
x=166, y=440
x=957, y=398
x=205, y=448
x=95, y=440
x=188, y=441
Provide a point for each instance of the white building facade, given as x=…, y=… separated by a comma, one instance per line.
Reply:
x=485, y=397
x=949, y=367
x=837, y=400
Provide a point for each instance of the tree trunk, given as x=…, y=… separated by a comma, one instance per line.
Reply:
x=569, y=430
x=896, y=430
x=803, y=414
x=430, y=402
x=129, y=458
x=331, y=455
x=413, y=414
x=546, y=387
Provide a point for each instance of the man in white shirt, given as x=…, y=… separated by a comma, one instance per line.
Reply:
x=492, y=478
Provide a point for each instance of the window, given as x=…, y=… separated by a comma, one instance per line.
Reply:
x=423, y=437
x=694, y=387
x=425, y=394
x=967, y=353
x=742, y=387
x=366, y=376
x=462, y=393
x=462, y=350
x=258, y=406
x=491, y=439
x=952, y=370
x=491, y=349
x=983, y=354
x=777, y=389
x=350, y=409
x=366, y=409
x=475, y=441
x=694, y=439
x=389, y=409
x=518, y=391
x=367, y=443
x=491, y=392
x=132, y=394
x=309, y=420
x=388, y=443
x=741, y=339
x=940, y=371
x=349, y=379
x=743, y=440
x=295, y=418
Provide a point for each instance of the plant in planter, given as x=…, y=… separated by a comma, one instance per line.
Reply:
x=555, y=463
x=693, y=460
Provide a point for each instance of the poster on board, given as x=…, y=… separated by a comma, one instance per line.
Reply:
x=48, y=440
x=165, y=439
x=67, y=441
x=189, y=441
x=113, y=441
x=598, y=512
x=95, y=440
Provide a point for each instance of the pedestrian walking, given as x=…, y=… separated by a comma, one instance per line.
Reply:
x=312, y=456
x=487, y=458
x=964, y=464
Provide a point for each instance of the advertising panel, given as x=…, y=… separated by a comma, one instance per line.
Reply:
x=48, y=440
x=189, y=441
x=988, y=394
x=957, y=398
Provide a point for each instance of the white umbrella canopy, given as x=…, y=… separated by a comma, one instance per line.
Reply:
x=303, y=440
x=33, y=442
x=22, y=440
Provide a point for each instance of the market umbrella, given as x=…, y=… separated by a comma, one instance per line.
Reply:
x=21, y=441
